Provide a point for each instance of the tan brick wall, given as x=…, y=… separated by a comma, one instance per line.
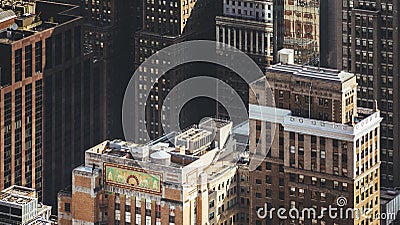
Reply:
x=64, y=218
x=122, y=208
x=111, y=209
x=83, y=207
x=82, y=181
x=165, y=215
x=178, y=216
x=172, y=194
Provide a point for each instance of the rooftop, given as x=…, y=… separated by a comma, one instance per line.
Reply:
x=312, y=72
x=174, y=149
x=32, y=17
x=18, y=195
x=314, y=126
x=6, y=15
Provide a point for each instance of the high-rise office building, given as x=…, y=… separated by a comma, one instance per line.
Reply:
x=368, y=45
x=21, y=67
x=182, y=178
x=165, y=23
x=52, y=96
x=302, y=30
x=319, y=146
x=247, y=26
x=108, y=35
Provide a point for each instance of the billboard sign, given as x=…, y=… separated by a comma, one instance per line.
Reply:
x=132, y=178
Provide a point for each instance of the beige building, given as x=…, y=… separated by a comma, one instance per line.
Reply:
x=186, y=178
x=20, y=205
x=323, y=148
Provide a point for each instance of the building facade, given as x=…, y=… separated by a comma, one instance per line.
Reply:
x=368, y=44
x=302, y=30
x=20, y=205
x=165, y=23
x=21, y=94
x=248, y=26
x=390, y=206
x=51, y=100
x=185, y=181
x=108, y=36
x=318, y=147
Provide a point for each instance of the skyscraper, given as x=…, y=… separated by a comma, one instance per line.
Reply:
x=21, y=70
x=319, y=146
x=165, y=23
x=368, y=45
x=108, y=35
x=51, y=99
x=247, y=26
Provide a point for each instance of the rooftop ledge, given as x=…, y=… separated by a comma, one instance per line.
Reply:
x=314, y=126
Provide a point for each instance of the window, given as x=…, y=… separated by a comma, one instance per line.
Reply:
x=67, y=207
x=28, y=61
x=268, y=193
x=38, y=57
x=211, y=205
x=335, y=185
x=18, y=65
x=268, y=166
x=211, y=216
x=301, y=178
x=268, y=179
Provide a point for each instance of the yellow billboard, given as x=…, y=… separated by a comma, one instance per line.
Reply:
x=132, y=178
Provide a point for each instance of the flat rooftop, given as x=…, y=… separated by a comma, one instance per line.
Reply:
x=326, y=74
x=33, y=17
x=171, y=148
x=17, y=195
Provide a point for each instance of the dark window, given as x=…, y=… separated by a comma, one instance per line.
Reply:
x=281, y=195
x=67, y=207
x=38, y=56
x=268, y=165
x=28, y=61
x=268, y=179
x=18, y=65
x=171, y=219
